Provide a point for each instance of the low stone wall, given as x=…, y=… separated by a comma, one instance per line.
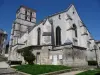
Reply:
x=74, y=56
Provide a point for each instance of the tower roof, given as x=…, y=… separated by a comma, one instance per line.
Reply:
x=26, y=8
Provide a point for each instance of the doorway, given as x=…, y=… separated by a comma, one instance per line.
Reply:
x=38, y=58
x=54, y=62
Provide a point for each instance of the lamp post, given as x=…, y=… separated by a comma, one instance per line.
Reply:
x=95, y=48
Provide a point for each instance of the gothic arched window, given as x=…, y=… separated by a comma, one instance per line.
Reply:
x=75, y=29
x=38, y=36
x=58, y=36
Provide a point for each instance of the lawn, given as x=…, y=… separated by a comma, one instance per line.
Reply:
x=90, y=72
x=40, y=69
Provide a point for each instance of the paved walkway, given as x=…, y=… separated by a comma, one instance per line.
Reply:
x=8, y=71
x=3, y=64
x=71, y=73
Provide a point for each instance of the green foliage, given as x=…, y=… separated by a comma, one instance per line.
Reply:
x=28, y=56
x=97, y=73
x=90, y=72
x=40, y=69
x=93, y=63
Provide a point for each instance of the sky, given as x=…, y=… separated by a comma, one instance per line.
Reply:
x=89, y=11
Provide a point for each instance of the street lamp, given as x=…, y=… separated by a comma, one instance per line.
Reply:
x=95, y=48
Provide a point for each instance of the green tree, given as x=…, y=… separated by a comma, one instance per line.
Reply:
x=28, y=56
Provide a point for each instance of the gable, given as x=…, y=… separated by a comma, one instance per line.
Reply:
x=46, y=26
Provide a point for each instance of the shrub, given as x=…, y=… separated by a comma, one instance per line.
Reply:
x=97, y=73
x=92, y=63
x=28, y=56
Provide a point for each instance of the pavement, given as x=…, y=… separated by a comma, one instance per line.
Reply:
x=4, y=64
x=8, y=71
x=71, y=73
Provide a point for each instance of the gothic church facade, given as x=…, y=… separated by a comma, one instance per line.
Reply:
x=59, y=39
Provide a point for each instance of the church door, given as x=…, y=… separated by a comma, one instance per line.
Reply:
x=54, y=62
x=38, y=58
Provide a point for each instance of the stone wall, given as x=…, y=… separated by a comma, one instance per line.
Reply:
x=58, y=53
x=74, y=56
x=66, y=55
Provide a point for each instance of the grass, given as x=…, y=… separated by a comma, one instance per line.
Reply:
x=90, y=72
x=40, y=69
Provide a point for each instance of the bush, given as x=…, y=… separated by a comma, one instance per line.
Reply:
x=28, y=56
x=97, y=73
x=92, y=63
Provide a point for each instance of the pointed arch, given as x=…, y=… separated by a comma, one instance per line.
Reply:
x=58, y=35
x=75, y=29
x=38, y=36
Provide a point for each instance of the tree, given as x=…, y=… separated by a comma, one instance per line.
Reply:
x=28, y=56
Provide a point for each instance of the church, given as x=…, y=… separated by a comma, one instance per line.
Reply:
x=59, y=39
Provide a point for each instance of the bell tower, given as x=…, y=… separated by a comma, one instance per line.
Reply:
x=24, y=22
x=25, y=19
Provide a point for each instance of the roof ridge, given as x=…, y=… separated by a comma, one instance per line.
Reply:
x=61, y=11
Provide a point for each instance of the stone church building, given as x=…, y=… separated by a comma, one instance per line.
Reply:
x=59, y=39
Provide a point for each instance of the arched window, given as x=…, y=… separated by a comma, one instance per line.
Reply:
x=75, y=29
x=38, y=36
x=58, y=36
